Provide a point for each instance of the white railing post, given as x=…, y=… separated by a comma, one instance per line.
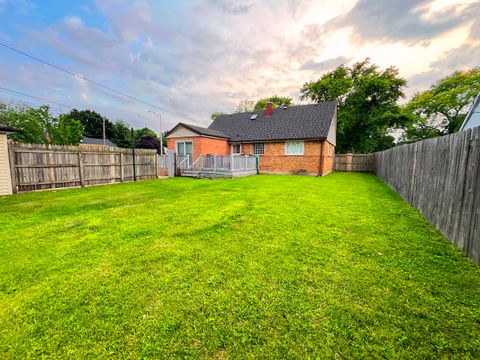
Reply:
x=214, y=163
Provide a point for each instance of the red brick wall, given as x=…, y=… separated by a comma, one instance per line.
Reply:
x=275, y=160
x=202, y=145
x=328, y=157
x=214, y=146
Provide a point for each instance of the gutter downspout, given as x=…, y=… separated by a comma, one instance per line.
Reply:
x=320, y=170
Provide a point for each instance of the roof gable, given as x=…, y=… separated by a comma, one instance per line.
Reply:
x=296, y=122
x=198, y=130
x=473, y=116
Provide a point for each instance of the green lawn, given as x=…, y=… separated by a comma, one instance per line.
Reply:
x=259, y=267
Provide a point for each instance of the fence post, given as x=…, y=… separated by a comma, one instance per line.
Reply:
x=214, y=163
x=156, y=165
x=13, y=175
x=80, y=169
x=121, y=167
x=112, y=167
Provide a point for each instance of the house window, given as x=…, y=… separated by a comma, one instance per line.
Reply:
x=294, y=148
x=258, y=149
x=236, y=149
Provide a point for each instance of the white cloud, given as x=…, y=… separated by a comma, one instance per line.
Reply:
x=194, y=58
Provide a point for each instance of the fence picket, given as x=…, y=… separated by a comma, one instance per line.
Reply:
x=440, y=177
x=41, y=167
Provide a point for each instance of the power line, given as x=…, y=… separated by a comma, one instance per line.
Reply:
x=34, y=97
x=93, y=82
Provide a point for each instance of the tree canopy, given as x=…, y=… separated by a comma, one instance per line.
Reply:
x=441, y=109
x=367, y=98
x=275, y=100
x=39, y=126
x=93, y=123
x=245, y=106
x=216, y=114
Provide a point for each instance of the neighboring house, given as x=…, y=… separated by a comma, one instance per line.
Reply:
x=5, y=178
x=87, y=141
x=297, y=139
x=473, y=117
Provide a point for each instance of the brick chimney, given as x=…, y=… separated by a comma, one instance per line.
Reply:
x=269, y=109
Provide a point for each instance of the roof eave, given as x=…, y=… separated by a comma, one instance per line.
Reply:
x=195, y=131
x=7, y=130
x=321, y=138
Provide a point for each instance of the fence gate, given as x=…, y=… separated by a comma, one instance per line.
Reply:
x=171, y=164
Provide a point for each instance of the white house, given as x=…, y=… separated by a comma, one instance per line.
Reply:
x=5, y=179
x=473, y=117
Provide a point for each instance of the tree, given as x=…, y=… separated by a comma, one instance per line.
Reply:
x=277, y=101
x=245, y=106
x=367, y=99
x=216, y=114
x=148, y=142
x=39, y=126
x=67, y=131
x=93, y=123
x=139, y=133
x=122, y=136
x=441, y=110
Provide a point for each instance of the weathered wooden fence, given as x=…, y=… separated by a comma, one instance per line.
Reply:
x=441, y=178
x=40, y=167
x=354, y=162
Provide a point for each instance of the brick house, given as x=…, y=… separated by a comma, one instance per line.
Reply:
x=296, y=139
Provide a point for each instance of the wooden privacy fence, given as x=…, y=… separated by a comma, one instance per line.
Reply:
x=39, y=167
x=354, y=162
x=441, y=178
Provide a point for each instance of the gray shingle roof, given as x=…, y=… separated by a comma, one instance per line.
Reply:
x=201, y=130
x=296, y=122
x=95, y=141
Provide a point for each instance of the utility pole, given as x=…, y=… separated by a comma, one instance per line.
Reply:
x=104, y=142
x=133, y=158
x=161, y=132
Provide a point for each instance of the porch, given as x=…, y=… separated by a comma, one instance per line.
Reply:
x=216, y=166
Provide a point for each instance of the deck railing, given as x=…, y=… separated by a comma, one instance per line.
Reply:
x=217, y=163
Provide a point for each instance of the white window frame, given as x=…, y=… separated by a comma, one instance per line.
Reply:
x=255, y=152
x=239, y=147
x=294, y=154
x=182, y=142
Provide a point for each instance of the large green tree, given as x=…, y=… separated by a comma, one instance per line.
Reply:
x=122, y=135
x=367, y=98
x=93, y=123
x=275, y=100
x=139, y=133
x=441, y=109
x=39, y=126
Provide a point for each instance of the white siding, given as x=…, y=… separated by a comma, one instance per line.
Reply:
x=332, y=132
x=182, y=132
x=5, y=179
x=473, y=117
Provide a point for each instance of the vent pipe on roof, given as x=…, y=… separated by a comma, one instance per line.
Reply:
x=269, y=109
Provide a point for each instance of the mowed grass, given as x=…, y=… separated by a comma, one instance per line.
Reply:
x=259, y=267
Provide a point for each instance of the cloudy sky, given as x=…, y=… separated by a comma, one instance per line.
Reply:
x=192, y=58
